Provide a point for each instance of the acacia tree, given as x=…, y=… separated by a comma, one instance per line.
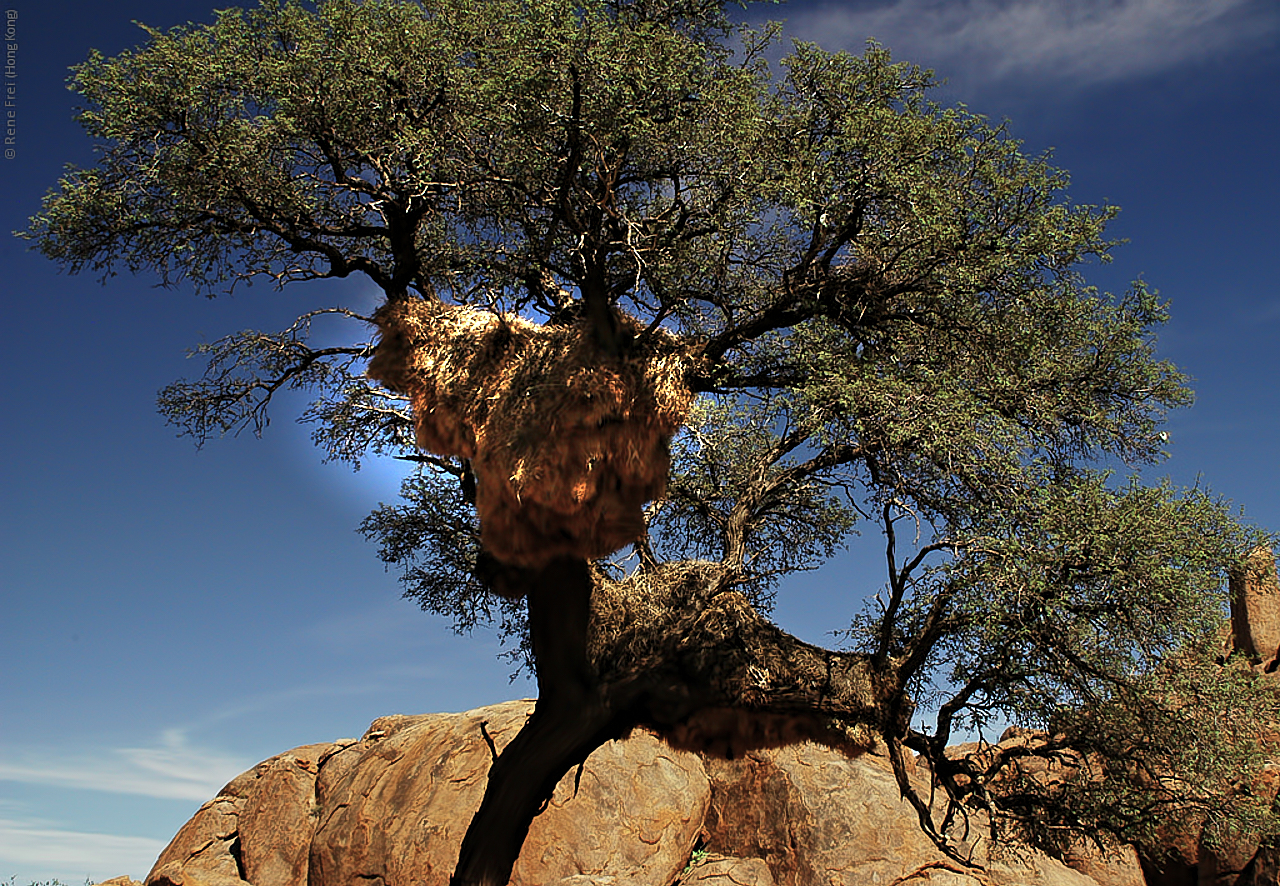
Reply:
x=885, y=320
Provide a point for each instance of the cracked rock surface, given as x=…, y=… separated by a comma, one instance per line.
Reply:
x=391, y=810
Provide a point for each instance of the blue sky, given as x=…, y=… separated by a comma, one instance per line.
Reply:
x=171, y=617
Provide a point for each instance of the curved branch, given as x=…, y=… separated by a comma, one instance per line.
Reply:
x=340, y=264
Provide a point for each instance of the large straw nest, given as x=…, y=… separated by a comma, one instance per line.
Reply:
x=567, y=442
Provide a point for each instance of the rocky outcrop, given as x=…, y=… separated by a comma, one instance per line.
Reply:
x=817, y=817
x=1255, y=609
x=391, y=809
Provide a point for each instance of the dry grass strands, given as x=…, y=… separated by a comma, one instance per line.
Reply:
x=719, y=677
x=567, y=443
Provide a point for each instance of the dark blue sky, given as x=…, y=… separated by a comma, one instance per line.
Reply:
x=171, y=616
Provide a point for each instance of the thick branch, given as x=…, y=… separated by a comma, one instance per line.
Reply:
x=300, y=240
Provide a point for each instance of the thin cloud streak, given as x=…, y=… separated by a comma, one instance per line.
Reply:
x=101, y=855
x=173, y=771
x=173, y=768
x=1067, y=44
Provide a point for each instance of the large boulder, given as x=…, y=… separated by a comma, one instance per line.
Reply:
x=817, y=817
x=1181, y=858
x=397, y=809
x=392, y=808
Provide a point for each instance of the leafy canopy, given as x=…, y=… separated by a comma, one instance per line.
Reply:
x=896, y=336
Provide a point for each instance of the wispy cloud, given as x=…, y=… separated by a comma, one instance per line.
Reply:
x=1071, y=43
x=74, y=853
x=172, y=769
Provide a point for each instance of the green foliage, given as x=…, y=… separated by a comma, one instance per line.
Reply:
x=279, y=141
x=1080, y=594
x=1177, y=752
x=895, y=327
x=740, y=488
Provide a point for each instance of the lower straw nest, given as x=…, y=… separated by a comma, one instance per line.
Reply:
x=566, y=441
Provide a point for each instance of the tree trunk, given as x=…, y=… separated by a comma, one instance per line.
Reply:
x=674, y=649
x=570, y=720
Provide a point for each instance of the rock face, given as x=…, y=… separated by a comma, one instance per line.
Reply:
x=817, y=817
x=396, y=810
x=391, y=809
x=1255, y=609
